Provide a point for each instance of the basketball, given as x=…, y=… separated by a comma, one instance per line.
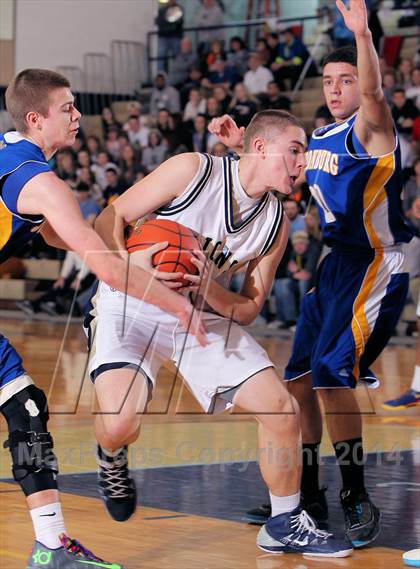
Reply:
x=176, y=258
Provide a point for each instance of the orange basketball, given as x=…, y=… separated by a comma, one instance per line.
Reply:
x=176, y=258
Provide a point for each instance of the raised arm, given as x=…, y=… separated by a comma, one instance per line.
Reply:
x=374, y=126
x=227, y=131
x=50, y=196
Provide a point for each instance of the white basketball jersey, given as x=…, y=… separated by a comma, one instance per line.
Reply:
x=233, y=228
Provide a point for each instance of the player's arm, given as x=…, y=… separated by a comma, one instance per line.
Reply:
x=245, y=306
x=228, y=132
x=160, y=187
x=48, y=195
x=51, y=237
x=374, y=126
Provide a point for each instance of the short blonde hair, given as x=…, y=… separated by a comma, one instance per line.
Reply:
x=29, y=91
x=265, y=123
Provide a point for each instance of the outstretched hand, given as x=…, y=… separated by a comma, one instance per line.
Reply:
x=355, y=16
x=226, y=129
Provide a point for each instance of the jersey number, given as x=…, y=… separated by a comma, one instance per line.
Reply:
x=316, y=192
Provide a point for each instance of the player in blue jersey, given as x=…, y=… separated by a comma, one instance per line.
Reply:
x=354, y=172
x=34, y=200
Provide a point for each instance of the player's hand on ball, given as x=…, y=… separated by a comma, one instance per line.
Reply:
x=199, y=283
x=144, y=259
x=226, y=129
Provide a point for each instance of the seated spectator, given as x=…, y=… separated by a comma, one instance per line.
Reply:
x=258, y=77
x=83, y=160
x=164, y=123
x=88, y=205
x=219, y=74
x=209, y=14
x=93, y=146
x=290, y=290
x=65, y=166
x=243, y=106
x=202, y=139
x=193, y=82
x=404, y=111
x=103, y=162
x=112, y=144
x=413, y=92
x=123, y=141
x=324, y=112
x=293, y=212
x=263, y=50
x=179, y=138
x=170, y=24
x=115, y=186
x=164, y=96
x=155, y=153
x=404, y=70
x=388, y=85
x=273, y=99
x=237, y=56
x=138, y=135
x=411, y=197
x=86, y=176
x=181, y=65
x=273, y=41
x=129, y=165
x=108, y=121
x=215, y=52
x=212, y=108
x=291, y=57
x=222, y=96
x=196, y=104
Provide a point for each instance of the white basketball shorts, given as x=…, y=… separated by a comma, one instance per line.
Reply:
x=126, y=332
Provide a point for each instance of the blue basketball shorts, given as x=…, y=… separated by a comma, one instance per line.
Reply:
x=347, y=319
x=13, y=377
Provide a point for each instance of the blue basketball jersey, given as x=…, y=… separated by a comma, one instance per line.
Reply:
x=358, y=196
x=20, y=160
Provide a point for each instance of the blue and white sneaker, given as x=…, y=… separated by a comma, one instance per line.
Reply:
x=410, y=398
x=412, y=558
x=362, y=517
x=296, y=532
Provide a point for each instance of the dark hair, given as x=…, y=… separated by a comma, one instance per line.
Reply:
x=238, y=40
x=345, y=54
x=398, y=90
x=82, y=187
x=29, y=91
x=113, y=170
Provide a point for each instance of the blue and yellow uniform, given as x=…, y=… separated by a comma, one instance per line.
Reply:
x=20, y=160
x=361, y=286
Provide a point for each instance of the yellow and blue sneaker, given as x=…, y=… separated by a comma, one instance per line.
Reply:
x=296, y=532
x=71, y=555
x=410, y=398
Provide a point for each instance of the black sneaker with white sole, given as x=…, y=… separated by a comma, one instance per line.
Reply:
x=116, y=487
x=362, y=517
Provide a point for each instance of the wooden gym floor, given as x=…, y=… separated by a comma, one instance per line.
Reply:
x=196, y=475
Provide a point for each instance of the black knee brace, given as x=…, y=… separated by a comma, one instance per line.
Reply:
x=34, y=463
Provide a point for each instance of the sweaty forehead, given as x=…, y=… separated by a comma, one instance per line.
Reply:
x=339, y=68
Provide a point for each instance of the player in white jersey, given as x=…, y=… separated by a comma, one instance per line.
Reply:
x=231, y=206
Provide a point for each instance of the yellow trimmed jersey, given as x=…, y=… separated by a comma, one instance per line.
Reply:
x=358, y=196
x=20, y=161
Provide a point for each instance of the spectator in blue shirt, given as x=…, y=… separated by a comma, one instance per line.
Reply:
x=291, y=57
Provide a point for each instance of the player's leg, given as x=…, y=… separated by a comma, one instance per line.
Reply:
x=25, y=409
x=290, y=528
x=122, y=397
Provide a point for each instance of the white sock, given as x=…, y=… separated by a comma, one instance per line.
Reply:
x=283, y=504
x=48, y=524
x=415, y=384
